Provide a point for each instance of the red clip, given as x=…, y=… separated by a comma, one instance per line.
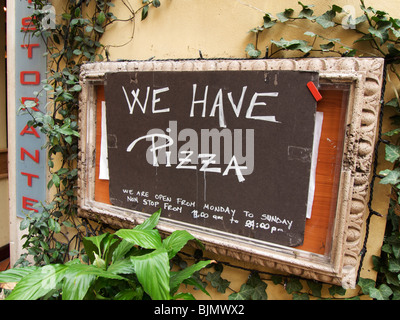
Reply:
x=314, y=91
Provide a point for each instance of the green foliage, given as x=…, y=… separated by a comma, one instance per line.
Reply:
x=74, y=40
x=381, y=32
x=122, y=266
x=253, y=289
x=374, y=26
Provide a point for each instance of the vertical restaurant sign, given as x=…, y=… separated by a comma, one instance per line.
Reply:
x=30, y=70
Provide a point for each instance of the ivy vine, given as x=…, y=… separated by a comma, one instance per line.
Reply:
x=73, y=40
x=380, y=32
x=76, y=39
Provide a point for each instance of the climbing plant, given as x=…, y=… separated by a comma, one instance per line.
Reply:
x=376, y=34
x=76, y=39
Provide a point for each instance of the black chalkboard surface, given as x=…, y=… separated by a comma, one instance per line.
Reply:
x=224, y=150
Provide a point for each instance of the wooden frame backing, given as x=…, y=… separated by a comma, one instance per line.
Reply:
x=363, y=76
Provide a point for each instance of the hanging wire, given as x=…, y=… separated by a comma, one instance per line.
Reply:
x=372, y=212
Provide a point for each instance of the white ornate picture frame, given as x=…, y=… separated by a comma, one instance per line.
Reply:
x=363, y=76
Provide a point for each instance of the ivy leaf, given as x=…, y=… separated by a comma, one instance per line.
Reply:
x=326, y=19
x=391, y=176
x=285, y=15
x=311, y=34
x=306, y=12
x=268, y=22
x=392, y=152
x=293, y=285
x=327, y=46
x=315, y=287
x=354, y=22
x=337, y=9
x=252, y=51
x=301, y=296
x=394, y=265
x=244, y=293
x=145, y=12
x=217, y=281
x=393, y=52
x=337, y=290
x=259, y=287
x=392, y=132
x=301, y=45
x=382, y=293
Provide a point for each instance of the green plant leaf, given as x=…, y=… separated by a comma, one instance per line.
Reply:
x=259, y=286
x=217, y=281
x=121, y=250
x=301, y=45
x=394, y=265
x=390, y=176
x=306, y=12
x=252, y=51
x=176, y=241
x=16, y=274
x=79, y=277
x=178, y=277
x=123, y=266
x=392, y=152
x=244, y=293
x=152, y=271
x=151, y=222
x=392, y=133
x=382, y=293
x=130, y=294
x=93, y=244
x=268, y=22
x=101, y=18
x=285, y=15
x=148, y=239
x=337, y=290
x=315, y=287
x=145, y=12
x=301, y=296
x=184, y=296
x=327, y=46
x=38, y=283
x=326, y=19
x=293, y=285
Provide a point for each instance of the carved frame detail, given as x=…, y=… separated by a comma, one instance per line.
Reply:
x=363, y=75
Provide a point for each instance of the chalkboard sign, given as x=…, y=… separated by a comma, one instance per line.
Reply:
x=224, y=150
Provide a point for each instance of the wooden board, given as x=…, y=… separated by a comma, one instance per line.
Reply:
x=317, y=236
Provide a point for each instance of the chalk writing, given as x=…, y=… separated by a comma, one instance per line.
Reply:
x=214, y=149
